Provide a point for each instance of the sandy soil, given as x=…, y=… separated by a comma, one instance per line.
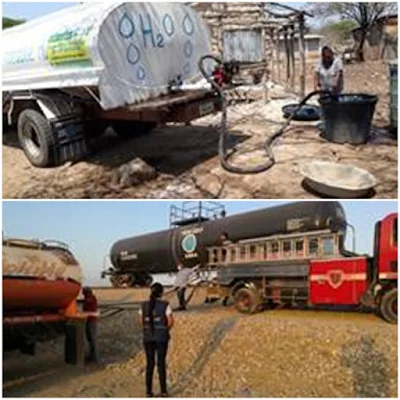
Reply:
x=185, y=157
x=216, y=352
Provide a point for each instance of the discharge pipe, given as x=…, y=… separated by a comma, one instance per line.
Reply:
x=222, y=147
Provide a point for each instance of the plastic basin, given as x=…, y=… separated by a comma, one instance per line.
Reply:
x=338, y=180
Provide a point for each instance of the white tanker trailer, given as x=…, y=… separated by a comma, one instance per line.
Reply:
x=69, y=75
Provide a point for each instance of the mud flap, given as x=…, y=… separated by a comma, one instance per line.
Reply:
x=74, y=349
x=69, y=139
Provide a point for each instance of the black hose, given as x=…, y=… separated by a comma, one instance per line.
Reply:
x=222, y=147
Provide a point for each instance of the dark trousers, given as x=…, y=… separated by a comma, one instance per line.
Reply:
x=160, y=350
x=181, y=297
x=91, y=337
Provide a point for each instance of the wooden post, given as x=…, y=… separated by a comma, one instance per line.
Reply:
x=278, y=53
x=292, y=59
x=266, y=75
x=74, y=345
x=285, y=39
x=220, y=38
x=302, y=56
x=272, y=63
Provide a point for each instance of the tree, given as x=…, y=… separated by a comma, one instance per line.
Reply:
x=9, y=22
x=338, y=32
x=364, y=14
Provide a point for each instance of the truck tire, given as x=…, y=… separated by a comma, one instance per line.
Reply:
x=36, y=138
x=247, y=301
x=388, y=306
x=130, y=129
x=114, y=281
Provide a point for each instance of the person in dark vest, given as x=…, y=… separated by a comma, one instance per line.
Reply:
x=90, y=309
x=157, y=320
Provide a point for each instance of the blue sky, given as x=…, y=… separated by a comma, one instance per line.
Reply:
x=91, y=227
x=37, y=9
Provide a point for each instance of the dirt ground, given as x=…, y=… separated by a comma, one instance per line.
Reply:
x=186, y=162
x=215, y=352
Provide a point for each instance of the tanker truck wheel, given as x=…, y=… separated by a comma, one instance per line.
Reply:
x=388, y=306
x=114, y=281
x=247, y=301
x=130, y=129
x=36, y=138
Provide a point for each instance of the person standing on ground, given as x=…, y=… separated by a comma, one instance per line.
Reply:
x=157, y=321
x=329, y=73
x=90, y=308
x=182, y=280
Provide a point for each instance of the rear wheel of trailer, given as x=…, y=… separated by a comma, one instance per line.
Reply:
x=36, y=138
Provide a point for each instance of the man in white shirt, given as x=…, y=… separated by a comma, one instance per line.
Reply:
x=182, y=280
x=329, y=72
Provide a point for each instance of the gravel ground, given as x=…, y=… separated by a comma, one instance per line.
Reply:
x=215, y=352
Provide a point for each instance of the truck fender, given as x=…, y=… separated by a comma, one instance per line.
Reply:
x=51, y=107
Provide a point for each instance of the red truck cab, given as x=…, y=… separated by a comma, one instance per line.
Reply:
x=359, y=279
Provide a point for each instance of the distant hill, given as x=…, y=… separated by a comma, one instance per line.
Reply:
x=9, y=22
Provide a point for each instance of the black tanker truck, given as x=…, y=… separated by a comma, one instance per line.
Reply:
x=135, y=259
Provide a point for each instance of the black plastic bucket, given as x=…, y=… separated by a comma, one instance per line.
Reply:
x=348, y=117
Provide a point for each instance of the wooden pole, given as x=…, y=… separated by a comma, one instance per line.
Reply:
x=278, y=53
x=302, y=56
x=292, y=59
x=287, y=52
x=267, y=67
x=273, y=55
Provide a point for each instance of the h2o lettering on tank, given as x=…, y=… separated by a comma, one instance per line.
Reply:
x=139, y=30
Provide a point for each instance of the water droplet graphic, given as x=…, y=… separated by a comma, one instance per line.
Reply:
x=188, y=49
x=186, y=68
x=168, y=25
x=133, y=54
x=141, y=74
x=126, y=27
x=188, y=25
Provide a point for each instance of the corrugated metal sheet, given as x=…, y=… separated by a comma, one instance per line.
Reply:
x=243, y=46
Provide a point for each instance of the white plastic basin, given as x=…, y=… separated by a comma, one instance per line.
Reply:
x=338, y=180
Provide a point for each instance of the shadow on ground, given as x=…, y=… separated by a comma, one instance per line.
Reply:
x=171, y=150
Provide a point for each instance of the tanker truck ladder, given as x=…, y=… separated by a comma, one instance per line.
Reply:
x=287, y=247
x=195, y=212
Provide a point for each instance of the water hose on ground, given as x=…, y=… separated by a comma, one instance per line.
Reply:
x=267, y=146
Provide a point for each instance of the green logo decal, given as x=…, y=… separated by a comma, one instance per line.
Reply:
x=189, y=243
x=69, y=47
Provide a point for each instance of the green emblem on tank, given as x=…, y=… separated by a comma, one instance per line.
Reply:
x=189, y=243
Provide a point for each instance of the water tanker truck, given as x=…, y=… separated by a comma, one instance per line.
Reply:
x=292, y=254
x=41, y=284
x=69, y=75
x=135, y=259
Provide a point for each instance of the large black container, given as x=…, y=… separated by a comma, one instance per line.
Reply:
x=348, y=117
x=159, y=252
